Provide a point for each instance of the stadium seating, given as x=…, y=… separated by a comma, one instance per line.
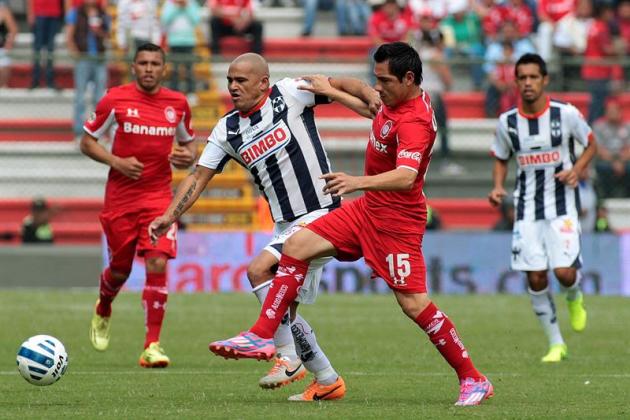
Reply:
x=76, y=220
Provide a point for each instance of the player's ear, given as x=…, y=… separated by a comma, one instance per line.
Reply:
x=264, y=83
x=409, y=78
x=545, y=80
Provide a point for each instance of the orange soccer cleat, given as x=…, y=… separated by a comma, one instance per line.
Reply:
x=317, y=392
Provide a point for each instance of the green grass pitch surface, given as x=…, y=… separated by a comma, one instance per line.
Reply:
x=390, y=368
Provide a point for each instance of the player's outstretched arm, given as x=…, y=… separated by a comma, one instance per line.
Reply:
x=129, y=166
x=321, y=85
x=187, y=193
x=358, y=88
x=499, y=172
x=399, y=179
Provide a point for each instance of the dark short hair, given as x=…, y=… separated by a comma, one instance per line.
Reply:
x=39, y=204
x=151, y=48
x=402, y=58
x=530, y=58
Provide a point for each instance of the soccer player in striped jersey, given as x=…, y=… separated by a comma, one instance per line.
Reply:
x=541, y=134
x=272, y=133
x=385, y=226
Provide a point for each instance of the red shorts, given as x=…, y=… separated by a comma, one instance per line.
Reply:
x=394, y=257
x=128, y=233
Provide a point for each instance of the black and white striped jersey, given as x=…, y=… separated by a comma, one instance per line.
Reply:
x=279, y=144
x=544, y=144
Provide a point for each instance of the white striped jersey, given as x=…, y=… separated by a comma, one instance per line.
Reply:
x=544, y=145
x=279, y=144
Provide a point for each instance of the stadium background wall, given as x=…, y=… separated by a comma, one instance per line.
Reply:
x=457, y=262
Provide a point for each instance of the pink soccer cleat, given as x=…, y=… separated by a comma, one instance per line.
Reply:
x=246, y=345
x=474, y=391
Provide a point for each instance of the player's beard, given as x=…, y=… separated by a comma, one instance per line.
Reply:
x=149, y=85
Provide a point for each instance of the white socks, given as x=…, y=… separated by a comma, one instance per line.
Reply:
x=574, y=291
x=545, y=309
x=310, y=353
x=298, y=339
x=283, y=339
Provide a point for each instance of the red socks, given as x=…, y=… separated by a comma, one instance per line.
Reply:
x=109, y=288
x=154, y=297
x=443, y=335
x=282, y=292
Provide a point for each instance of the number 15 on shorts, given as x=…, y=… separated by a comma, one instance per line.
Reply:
x=399, y=267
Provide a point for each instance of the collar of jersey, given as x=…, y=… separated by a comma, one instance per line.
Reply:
x=536, y=115
x=143, y=92
x=257, y=107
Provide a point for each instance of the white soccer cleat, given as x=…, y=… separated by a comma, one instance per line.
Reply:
x=283, y=372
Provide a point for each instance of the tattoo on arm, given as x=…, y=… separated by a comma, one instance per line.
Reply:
x=182, y=203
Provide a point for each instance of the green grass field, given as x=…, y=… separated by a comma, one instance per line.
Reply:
x=390, y=368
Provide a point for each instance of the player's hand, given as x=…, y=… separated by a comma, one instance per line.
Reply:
x=339, y=183
x=158, y=227
x=568, y=177
x=181, y=157
x=129, y=167
x=374, y=102
x=317, y=83
x=496, y=196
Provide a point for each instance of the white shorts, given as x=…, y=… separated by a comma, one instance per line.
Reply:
x=542, y=244
x=281, y=231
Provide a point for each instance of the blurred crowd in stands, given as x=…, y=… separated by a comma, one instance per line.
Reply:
x=586, y=43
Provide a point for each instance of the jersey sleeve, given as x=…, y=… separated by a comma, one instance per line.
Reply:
x=102, y=118
x=214, y=155
x=501, y=145
x=580, y=129
x=185, y=133
x=304, y=97
x=413, y=143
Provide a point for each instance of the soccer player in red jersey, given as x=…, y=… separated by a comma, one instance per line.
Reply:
x=385, y=225
x=147, y=119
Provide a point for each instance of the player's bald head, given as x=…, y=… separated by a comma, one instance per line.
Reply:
x=252, y=62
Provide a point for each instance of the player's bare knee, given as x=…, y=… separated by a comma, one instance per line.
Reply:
x=537, y=280
x=566, y=276
x=257, y=273
x=155, y=264
x=412, y=305
x=119, y=275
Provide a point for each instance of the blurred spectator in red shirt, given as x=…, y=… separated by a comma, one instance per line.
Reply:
x=514, y=10
x=234, y=17
x=45, y=18
x=598, y=73
x=550, y=12
x=623, y=20
x=389, y=23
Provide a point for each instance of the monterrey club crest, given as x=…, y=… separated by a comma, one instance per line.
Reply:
x=278, y=104
x=170, y=114
x=386, y=128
